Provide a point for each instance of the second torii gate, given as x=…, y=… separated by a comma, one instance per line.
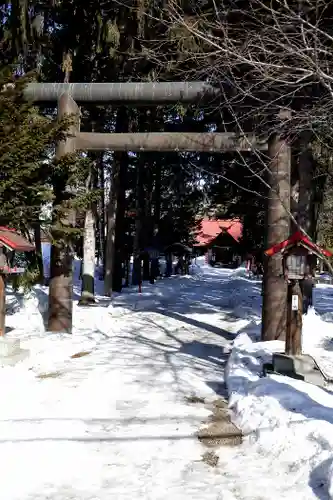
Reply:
x=69, y=95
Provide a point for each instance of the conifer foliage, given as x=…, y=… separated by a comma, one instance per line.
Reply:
x=26, y=143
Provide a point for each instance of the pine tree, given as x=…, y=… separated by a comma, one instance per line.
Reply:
x=26, y=142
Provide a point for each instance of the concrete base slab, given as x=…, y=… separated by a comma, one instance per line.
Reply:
x=9, y=347
x=11, y=352
x=301, y=367
x=15, y=358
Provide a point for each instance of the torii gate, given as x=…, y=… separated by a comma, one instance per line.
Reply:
x=67, y=95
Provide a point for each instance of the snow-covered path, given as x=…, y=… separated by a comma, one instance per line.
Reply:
x=114, y=421
x=108, y=412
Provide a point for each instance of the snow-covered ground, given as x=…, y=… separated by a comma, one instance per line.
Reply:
x=288, y=423
x=104, y=413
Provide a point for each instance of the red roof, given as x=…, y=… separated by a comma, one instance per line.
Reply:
x=11, y=239
x=210, y=229
x=297, y=237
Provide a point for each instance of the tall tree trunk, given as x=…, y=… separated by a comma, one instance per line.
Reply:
x=306, y=186
x=39, y=255
x=294, y=188
x=101, y=209
x=306, y=205
x=140, y=205
x=98, y=221
x=89, y=247
x=121, y=126
x=318, y=200
x=136, y=274
x=122, y=159
x=274, y=309
x=149, y=186
x=110, y=231
x=157, y=195
x=147, y=221
x=103, y=212
x=157, y=178
x=88, y=268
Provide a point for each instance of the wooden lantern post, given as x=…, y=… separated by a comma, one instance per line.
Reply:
x=2, y=305
x=294, y=319
x=298, y=253
x=296, y=267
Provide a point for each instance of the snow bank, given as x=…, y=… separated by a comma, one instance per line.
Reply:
x=46, y=256
x=241, y=271
x=103, y=413
x=285, y=420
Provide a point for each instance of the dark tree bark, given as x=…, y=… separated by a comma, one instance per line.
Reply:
x=140, y=205
x=139, y=215
x=100, y=209
x=147, y=225
x=111, y=230
x=294, y=187
x=113, y=257
x=119, y=260
x=306, y=216
x=274, y=309
x=305, y=211
x=157, y=194
x=89, y=252
x=39, y=256
x=318, y=198
x=120, y=250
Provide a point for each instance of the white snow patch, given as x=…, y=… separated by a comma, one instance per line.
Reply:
x=113, y=421
x=288, y=423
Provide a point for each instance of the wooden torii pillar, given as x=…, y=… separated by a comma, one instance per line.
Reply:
x=61, y=286
x=69, y=94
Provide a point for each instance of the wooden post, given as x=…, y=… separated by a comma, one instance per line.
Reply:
x=294, y=319
x=2, y=305
x=274, y=312
x=60, y=289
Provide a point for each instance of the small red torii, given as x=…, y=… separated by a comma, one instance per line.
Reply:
x=298, y=238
